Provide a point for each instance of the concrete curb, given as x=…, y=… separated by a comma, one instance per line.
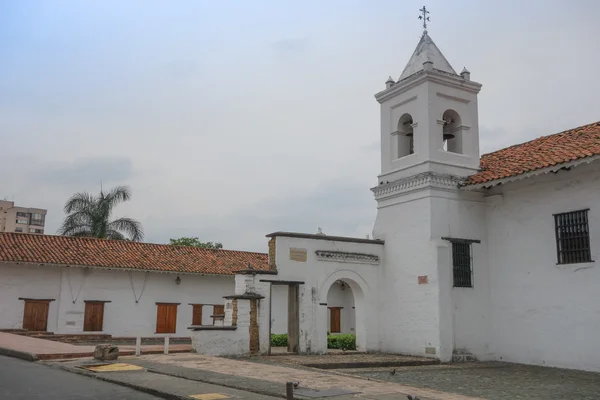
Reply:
x=23, y=355
x=139, y=388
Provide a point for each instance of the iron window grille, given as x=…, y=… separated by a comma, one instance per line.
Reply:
x=462, y=261
x=572, y=237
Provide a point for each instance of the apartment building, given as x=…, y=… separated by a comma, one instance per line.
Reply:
x=21, y=219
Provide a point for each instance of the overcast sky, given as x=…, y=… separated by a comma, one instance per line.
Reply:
x=233, y=119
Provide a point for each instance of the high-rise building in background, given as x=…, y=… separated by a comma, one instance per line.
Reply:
x=21, y=219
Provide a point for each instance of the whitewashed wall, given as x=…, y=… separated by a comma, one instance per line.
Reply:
x=410, y=319
x=27, y=282
x=318, y=276
x=122, y=316
x=544, y=313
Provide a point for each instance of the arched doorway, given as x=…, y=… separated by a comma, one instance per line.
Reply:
x=346, y=294
x=340, y=309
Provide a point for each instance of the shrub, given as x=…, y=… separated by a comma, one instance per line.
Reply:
x=279, y=340
x=345, y=342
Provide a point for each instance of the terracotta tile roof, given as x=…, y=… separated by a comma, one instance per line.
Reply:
x=543, y=152
x=74, y=251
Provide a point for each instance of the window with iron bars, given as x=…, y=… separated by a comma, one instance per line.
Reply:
x=572, y=237
x=462, y=270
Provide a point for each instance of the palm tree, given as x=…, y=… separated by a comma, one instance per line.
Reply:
x=89, y=216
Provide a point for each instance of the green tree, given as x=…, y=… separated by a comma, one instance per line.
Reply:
x=89, y=215
x=194, y=242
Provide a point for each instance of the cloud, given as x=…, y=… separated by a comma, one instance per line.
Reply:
x=343, y=208
x=82, y=172
x=290, y=50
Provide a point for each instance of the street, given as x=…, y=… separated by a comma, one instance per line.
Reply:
x=26, y=380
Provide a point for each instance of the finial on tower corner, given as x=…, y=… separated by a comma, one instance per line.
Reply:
x=425, y=18
x=389, y=83
x=466, y=75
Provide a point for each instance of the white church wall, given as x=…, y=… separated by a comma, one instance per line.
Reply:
x=27, y=281
x=409, y=310
x=344, y=298
x=544, y=313
x=122, y=315
x=467, y=320
x=318, y=276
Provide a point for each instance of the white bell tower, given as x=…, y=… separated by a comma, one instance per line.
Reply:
x=429, y=145
x=429, y=119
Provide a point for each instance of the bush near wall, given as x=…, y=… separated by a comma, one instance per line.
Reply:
x=345, y=342
x=279, y=340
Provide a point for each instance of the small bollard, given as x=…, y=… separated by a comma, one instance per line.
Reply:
x=138, y=345
x=289, y=391
x=166, y=345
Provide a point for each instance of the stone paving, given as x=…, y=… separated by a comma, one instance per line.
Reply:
x=314, y=379
x=495, y=381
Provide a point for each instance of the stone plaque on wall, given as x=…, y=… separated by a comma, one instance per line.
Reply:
x=423, y=280
x=298, y=254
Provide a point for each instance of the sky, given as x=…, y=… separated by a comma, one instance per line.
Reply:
x=233, y=119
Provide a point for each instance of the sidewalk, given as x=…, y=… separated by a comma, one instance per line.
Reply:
x=270, y=379
x=163, y=386
x=32, y=349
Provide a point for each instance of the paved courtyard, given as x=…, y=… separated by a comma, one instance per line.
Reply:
x=495, y=381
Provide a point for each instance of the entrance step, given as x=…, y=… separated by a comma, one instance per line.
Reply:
x=463, y=356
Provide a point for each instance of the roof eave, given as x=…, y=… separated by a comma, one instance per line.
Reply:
x=541, y=171
x=41, y=264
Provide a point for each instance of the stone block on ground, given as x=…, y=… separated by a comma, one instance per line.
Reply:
x=106, y=352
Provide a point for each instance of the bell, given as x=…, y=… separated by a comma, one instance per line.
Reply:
x=448, y=136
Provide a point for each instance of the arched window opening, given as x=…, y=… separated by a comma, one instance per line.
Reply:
x=452, y=133
x=405, y=136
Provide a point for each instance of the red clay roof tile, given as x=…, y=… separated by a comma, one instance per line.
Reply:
x=543, y=152
x=76, y=251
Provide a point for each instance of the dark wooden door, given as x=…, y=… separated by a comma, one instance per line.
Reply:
x=35, y=317
x=196, y=314
x=218, y=310
x=94, y=316
x=166, y=318
x=334, y=321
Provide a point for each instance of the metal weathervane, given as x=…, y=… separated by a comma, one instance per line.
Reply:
x=424, y=17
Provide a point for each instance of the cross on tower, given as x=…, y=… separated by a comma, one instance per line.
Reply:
x=424, y=17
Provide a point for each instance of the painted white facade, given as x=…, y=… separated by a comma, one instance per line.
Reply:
x=70, y=287
x=319, y=274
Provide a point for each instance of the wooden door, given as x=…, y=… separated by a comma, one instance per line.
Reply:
x=166, y=317
x=218, y=310
x=334, y=319
x=196, y=314
x=35, y=316
x=94, y=316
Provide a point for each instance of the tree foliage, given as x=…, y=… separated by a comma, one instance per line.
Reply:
x=89, y=216
x=194, y=242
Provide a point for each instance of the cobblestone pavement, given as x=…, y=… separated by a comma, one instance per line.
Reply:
x=309, y=378
x=495, y=381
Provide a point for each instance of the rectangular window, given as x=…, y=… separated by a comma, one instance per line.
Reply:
x=22, y=221
x=32, y=230
x=18, y=229
x=572, y=237
x=22, y=214
x=461, y=264
x=37, y=219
